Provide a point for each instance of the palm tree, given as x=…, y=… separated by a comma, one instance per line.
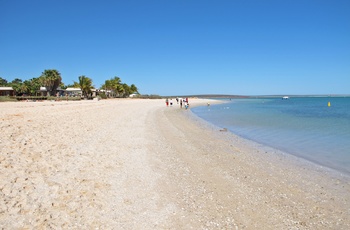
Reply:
x=115, y=83
x=120, y=90
x=126, y=88
x=18, y=86
x=32, y=86
x=117, y=87
x=51, y=79
x=106, y=87
x=112, y=85
x=85, y=84
x=134, y=89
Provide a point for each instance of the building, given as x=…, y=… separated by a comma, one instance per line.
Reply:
x=134, y=95
x=6, y=91
x=42, y=91
x=74, y=92
x=59, y=91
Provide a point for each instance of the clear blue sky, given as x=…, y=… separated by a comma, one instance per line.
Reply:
x=178, y=47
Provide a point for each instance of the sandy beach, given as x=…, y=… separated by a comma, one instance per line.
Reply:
x=137, y=164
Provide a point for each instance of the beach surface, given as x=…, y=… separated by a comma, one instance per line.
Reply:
x=137, y=164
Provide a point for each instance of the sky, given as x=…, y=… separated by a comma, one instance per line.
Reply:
x=182, y=47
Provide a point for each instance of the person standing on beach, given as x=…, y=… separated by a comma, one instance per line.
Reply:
x=180, y=103
x=167, y=102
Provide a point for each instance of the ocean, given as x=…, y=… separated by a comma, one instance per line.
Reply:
x=306, y=127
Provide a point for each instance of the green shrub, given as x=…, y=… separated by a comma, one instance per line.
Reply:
x=102, y=95
x=152, y=96
x=32, y=98
x=7, y=98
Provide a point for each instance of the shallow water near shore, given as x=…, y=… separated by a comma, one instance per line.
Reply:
x=304, y=127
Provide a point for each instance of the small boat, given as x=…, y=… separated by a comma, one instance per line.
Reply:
x=285, y=98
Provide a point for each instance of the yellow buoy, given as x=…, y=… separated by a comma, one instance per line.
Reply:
x=329, y=104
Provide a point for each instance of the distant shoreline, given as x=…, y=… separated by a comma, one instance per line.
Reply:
x=213, y=96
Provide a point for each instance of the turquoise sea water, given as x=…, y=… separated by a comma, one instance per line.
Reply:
x=305, y=127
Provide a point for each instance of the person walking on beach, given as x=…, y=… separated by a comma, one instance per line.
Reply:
x=167, y=102
x=180, y=103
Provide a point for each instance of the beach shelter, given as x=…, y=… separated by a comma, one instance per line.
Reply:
x=74, y=92
x=7, y=91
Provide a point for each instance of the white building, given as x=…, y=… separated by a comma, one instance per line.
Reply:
x=74, y=92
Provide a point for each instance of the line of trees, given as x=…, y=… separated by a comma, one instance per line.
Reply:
x=51, y=79
x=115, y=88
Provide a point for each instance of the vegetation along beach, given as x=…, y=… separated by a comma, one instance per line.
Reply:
x=137, y=164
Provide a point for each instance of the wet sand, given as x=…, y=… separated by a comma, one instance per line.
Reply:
x=137, y=164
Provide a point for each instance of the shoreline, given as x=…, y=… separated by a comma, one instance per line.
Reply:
x=337, y=172
x=137, y=164
x=290, y=169
x=274, y=152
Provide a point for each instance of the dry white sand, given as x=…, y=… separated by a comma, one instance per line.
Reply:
x=137, y=164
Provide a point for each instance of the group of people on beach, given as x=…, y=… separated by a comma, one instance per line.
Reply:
x=181, y=101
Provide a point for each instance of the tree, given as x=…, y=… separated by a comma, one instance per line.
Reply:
x=85, y=84
x=32, y=86
x=63, y=86
x=133, y=89
x=120, y=90
x=51, y=79
x=107, y=86
x=29, y=87
x=17, y=81
x=126, y=90
x=18, y=86
x=71, y=85
x=3, y=82
x=116, y=86
x=113, y=85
